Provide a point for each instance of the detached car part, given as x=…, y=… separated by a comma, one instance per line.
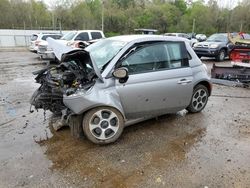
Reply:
x=238, y=74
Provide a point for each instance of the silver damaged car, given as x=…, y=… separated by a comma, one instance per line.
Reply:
x=120, y=81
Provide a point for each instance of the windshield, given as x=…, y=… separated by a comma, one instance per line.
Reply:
x=104, y=50
x=33, y=37
x=69, y=36
x=217, y=38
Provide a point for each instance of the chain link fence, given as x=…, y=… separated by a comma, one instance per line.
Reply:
x=14, y=41
x=11, y=38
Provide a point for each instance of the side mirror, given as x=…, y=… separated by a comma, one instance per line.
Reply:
x=121, y=74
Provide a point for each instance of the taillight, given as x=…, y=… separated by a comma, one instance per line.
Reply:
x=77, y=45
x=37, y=43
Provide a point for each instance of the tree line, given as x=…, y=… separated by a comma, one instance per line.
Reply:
x=123, y=16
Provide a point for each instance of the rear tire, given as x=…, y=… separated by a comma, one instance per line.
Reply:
x=199, y=99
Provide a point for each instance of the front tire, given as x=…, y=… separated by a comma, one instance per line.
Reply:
x=199, y=99
x=221, y=56
x=103, y=125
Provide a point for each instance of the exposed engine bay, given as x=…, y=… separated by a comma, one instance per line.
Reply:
x=75, y=72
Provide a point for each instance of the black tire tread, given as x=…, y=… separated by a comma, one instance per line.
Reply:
x=89, y=135
x=75, y=124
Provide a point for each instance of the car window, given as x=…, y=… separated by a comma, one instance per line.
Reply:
x=96, y=35
x=33, y=37
x=69, y=36
x=218, y=38
x=84, y=36
x=52, y=36
x=157, y=57
x=186, y=36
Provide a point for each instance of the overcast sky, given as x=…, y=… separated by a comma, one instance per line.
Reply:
x=221, y=3
x=227, y=3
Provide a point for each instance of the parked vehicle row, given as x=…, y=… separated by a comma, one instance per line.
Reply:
x=191, y=39
x=217, y=45
x=40, y=39
x=40, y=46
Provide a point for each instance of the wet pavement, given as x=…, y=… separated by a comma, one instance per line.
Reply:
x=209, y=149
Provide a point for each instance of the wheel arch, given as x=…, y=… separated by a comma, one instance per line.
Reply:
x=207, y=84
x=226, y=50
x=104, y=105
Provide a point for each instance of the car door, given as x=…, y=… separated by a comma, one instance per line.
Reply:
x=160, y=80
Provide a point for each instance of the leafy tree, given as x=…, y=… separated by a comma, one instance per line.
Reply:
x=123, y=16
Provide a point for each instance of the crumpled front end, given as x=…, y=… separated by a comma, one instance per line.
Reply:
x=83, y=100
x=74, y=73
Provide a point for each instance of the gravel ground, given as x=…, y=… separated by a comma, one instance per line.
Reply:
x=209, y=149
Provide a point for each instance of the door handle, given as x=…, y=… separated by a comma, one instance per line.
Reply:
x=184, y=81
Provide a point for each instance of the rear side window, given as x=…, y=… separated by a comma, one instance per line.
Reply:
x=178, y=54
x=33, y=37
x=96, y=35
x=56, y=36
x=52, y=36
x=84, y=36
x=185, y=36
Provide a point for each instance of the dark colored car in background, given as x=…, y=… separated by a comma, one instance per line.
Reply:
x=217, y=45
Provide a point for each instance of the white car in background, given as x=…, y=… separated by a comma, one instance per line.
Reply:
x=201, y=37
x=39, y=38
x=183, y=35
x=73, y=39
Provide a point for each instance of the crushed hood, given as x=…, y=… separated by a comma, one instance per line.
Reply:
x=64, y=52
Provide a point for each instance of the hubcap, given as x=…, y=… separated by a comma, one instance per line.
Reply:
x=222, y=55
x=199, y=99
x=104, y=124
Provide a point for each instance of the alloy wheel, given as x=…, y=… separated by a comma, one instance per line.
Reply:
x=104, y=124
x=199, y=99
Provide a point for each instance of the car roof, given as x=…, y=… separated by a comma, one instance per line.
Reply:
x=130, y=38
x=219, y=34
x=79, y=31
x=43, y=34
x=174, y=33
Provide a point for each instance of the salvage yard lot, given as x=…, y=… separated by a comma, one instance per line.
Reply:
x=179, y=150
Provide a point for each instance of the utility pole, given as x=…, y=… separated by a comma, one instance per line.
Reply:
x=102, y=16
x=193, y=26
x=60, y=26
x=241, y=27
x=53, y=19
